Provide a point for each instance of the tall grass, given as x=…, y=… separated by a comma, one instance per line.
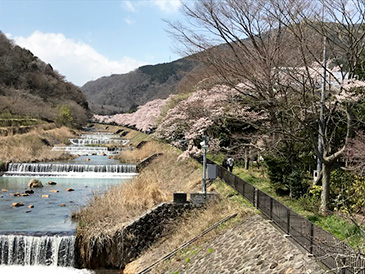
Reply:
x=35, y=145
x=155, y=184
x=136, y=155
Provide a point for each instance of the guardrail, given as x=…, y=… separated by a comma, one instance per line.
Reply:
x=333, y=253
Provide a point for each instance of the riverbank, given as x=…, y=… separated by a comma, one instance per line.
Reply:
x=155, y=184
x=35, y=145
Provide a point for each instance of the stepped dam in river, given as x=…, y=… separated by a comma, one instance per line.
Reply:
x=40, y=232
x=55, y=169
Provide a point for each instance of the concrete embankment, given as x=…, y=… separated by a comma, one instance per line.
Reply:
x=253, y=246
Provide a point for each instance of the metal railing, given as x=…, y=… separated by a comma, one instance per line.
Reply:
x=333, y=253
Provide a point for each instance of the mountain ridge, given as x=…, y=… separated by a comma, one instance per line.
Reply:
x=120, y=93
x=31, y=88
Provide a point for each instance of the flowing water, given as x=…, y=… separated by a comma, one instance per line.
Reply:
x=38, y=237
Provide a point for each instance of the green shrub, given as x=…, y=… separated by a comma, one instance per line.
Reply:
x=285, y=178
x=64, y=115
x=347, y=191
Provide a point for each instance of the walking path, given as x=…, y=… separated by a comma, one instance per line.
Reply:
x=253, y=246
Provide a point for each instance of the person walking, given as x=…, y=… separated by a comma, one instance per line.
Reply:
x=230, y=164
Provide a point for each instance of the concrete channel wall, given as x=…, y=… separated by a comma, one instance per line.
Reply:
x=127, y=243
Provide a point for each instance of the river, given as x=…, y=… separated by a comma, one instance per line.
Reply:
x=38, y=237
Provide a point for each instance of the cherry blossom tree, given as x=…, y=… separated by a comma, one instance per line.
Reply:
x=273, y=52
x=144, y=119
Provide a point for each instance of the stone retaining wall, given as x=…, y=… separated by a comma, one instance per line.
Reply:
x=126, y=244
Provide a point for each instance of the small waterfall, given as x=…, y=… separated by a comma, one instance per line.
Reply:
x=98, y=139
x=85, y=142
x=34, y=250
x=81, y=150
x=44, y=168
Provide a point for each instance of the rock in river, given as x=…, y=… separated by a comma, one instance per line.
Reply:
x=35, y=183
x=17, y=204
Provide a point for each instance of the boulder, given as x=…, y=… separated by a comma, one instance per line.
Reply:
x=31, y=206
x=15, y=194
x=17, y=204
x=45, y=196
x=35, y=183
x=24, y=194
x=62, y=205
x=87, y=159
x=70, y=189
x=29, y=191
x=51, y=183
x=54, y=190
x=4, y=190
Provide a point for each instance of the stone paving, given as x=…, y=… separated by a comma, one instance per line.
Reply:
x=254, y=246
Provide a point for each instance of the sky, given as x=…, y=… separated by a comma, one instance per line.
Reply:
x=87, y=39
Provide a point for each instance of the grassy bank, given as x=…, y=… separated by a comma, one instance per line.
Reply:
x=337, y=224
x=35, y=145
x=156, y=183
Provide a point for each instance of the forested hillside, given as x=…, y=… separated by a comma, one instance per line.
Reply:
x=125, y=92
x=33, y=89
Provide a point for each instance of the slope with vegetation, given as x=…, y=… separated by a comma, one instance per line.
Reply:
x=125, y=92
x=35, y=145
x=268, y=110
x=29, y=88
x=155, y=184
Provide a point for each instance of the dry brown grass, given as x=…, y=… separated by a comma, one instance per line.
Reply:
x=155, y=184
x=35, y=145
x=136, y=155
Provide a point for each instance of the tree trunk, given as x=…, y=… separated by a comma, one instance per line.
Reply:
x=247, y=158
x=326, y=176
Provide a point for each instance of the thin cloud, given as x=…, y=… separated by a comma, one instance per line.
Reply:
x=78, y=61
x=167, y=5
x=129, y=21
x=127, y=5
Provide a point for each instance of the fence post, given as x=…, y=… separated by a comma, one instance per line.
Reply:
x=244, y=189
x=271, y=208
x=288, y=221
x=254, y=195
x=257, y=198
x=311, y=232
